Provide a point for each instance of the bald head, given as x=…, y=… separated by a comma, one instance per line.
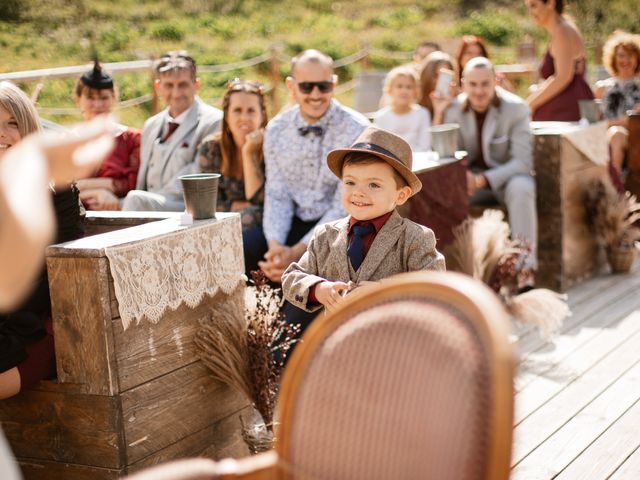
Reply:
x=311, y=57
x=477, y=63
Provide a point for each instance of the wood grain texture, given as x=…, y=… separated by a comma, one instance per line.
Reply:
x=220, y=440
x=43, y=470
x=146, y=351
x=68, y=428
x=567, y=252
x=81, y=309
x=633, y=154
x=163, y=411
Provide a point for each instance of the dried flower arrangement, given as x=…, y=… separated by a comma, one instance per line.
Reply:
x=482, y=249
x=245, y=348
x=612, y=216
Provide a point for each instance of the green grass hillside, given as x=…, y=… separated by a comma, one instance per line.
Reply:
x=51, y=33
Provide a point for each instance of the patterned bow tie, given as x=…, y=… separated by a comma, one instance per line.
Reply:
x=317, y=130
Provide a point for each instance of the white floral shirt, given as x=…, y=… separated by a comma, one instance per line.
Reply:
x=298, y=180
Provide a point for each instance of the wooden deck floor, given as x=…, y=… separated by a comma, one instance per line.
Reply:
x=577, y=408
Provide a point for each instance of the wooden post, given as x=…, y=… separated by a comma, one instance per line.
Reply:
x=366, y=60
x=274, y=76
x=155, y=104
x=633, y=154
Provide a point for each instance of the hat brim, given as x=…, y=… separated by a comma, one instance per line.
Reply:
x=335, y=161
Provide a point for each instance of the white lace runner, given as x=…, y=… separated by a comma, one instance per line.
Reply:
x=175, y=268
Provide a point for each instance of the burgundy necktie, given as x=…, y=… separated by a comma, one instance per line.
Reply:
x=172, y=128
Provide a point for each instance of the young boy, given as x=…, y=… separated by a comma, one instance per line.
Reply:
x=374, y=241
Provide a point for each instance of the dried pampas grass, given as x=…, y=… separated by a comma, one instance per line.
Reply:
x=237, y=344
x=540, y=307
x=482, y=249
x=611, y=214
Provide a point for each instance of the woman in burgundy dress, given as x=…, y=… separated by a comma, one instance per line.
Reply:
x=95, y=94
x=563, y=66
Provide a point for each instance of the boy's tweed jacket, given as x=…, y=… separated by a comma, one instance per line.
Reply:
x=400, y=246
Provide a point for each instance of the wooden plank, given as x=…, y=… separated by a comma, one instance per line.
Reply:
x=571, y=436
x=598, y=305
x=544, y=422
x=81, y=311
x=161, y=412
x=71, y=428
x=221, y=440
x=611, y=448
x=595, y=329
x=630, y=469
x=107, y=221
x=43, y=470
x=147, y=351
x=560, y=368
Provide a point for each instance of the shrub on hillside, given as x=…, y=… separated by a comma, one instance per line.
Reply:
x=495, y=27
x=10, y=10
x=168, y=32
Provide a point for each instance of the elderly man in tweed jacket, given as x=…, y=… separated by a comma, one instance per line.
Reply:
x=374, y=241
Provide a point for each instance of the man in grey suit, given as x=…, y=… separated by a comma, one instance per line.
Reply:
x=494, y=129
x=170, y=139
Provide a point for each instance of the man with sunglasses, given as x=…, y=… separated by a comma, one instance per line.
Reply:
x=300, y=190
x=170, y=138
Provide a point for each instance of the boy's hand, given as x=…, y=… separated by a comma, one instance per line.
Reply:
x=331, y=294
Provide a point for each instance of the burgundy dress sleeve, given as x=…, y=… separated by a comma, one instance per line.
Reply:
x=123, y=164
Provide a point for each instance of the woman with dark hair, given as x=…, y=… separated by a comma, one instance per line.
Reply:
x=473, y=46
x=95, y=94
x=236, y=152
x=429, y=77
x=562, y=68
x=470, y=47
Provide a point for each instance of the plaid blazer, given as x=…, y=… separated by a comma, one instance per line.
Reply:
x=400, y=246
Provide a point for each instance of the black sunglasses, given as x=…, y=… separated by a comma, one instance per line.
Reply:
x=307, y=87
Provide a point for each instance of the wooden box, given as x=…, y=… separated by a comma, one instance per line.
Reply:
x=567, y=251
x=124, y=400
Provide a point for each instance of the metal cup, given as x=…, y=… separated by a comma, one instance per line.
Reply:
x=444, y=139
x=590, y=110
x=200, y=192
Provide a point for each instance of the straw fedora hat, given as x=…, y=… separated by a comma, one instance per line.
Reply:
x=384, y=145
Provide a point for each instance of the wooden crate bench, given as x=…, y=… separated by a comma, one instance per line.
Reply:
x=567, y=251
x=124, y=399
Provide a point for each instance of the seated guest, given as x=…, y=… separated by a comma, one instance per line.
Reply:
x=373, y=242
x=563, y=67
x=26, y=334
x=300, y=191
x=95, y=94
x=470, y=47
x=236, y=152
x=429, y=77
x=170, y=139
x=621, y=56
x=404, y=117
x=494, y=129
x=422, y=51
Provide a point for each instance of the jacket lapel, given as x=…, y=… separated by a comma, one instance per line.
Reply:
x=146, y=149
x=382, y=244
x=488, y=129
x=185, y=128
x=340, y=245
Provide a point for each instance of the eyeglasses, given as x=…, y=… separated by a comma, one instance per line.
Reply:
x=307, y=87
x=244, y=85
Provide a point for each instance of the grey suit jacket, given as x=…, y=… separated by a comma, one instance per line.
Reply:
x=181, y=153
x=400, y=246
x=506, y=136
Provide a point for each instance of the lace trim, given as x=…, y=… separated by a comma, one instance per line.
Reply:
x=179, y=267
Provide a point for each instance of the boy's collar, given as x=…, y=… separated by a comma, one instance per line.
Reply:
x=377, y=222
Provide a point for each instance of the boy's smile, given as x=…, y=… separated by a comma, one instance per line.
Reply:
x=370, y=190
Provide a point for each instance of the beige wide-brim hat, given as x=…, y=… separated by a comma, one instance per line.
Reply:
x=384, y=145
